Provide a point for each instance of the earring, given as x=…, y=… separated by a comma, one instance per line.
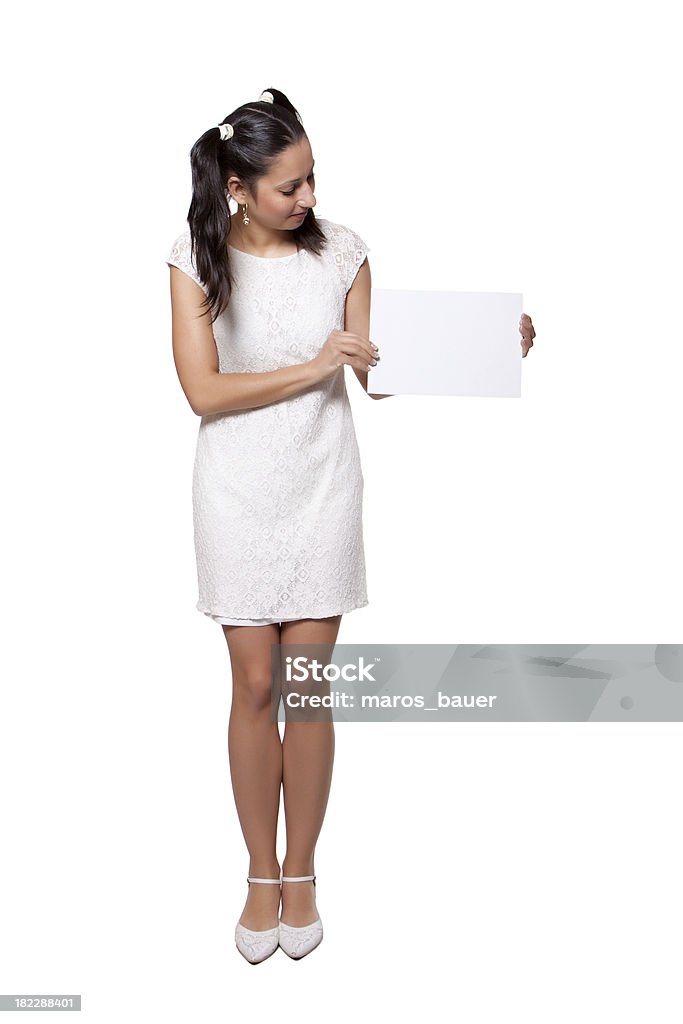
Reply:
x=245, y=215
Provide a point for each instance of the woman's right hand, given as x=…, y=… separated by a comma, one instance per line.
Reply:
x=344, y=347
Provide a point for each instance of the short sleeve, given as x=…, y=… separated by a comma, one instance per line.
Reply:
x=347, y=249
x=355, y=252
x=181, y=256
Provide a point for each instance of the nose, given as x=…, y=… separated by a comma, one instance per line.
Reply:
x=308, y=201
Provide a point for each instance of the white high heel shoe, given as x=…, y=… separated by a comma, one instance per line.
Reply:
x=297, y=942
x=257, y=946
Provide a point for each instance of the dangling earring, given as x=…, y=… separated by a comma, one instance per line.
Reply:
x=245, y=215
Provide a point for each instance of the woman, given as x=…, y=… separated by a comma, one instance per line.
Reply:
x=269, y=304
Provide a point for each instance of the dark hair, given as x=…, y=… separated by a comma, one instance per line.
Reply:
x=261, y=131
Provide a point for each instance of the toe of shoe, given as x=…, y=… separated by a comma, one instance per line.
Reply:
x=256, y=946
x=297, y=942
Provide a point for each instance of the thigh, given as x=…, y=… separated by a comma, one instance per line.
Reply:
x=305, y=641
x=251, y=658
x=249, y=645
x=310, y=631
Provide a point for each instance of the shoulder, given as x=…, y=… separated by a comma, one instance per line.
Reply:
x=341, y=235
x=346, y=248
x=181, y=245
x=181, y=256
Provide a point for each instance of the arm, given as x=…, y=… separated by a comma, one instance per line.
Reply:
x=357, y=316
x=196, y=359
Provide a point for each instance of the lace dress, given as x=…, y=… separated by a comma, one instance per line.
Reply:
x=278, y=490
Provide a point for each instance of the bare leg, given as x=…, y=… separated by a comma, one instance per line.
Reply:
x=255, y=751
x=308, y=755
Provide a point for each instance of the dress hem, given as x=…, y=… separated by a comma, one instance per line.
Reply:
x=217, y=617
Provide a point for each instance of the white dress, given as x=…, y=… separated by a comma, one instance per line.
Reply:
x=278, y=490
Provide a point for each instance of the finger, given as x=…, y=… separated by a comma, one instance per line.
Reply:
x=360, y=359
x=353, y=342
x=360, y=348
x=359, y=338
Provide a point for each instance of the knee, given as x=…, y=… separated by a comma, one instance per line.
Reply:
x=253, y=691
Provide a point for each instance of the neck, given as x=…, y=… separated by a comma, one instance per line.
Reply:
x=255, y=239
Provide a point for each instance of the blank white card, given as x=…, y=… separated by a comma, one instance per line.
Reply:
x=446, y=343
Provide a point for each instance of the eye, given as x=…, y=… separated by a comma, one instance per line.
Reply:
x=292, y=191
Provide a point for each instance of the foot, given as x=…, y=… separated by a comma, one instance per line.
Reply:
x=298, y=901
x=262, y=908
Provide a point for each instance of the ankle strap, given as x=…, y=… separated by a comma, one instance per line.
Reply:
x=299, y=878
x=273, y=881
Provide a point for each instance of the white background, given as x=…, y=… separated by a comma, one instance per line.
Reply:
x=471, y=872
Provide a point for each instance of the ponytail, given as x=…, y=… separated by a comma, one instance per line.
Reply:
x=251, y=138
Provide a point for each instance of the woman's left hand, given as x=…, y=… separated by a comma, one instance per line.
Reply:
x=526, y=329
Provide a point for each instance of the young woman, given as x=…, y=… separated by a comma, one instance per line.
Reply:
x=269, y=304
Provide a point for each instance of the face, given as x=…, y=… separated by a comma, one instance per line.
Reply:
x=285, y=193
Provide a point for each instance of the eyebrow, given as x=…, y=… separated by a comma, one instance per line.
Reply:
x=293, y=181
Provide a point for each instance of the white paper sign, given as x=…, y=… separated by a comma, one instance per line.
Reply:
x=446, y=343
